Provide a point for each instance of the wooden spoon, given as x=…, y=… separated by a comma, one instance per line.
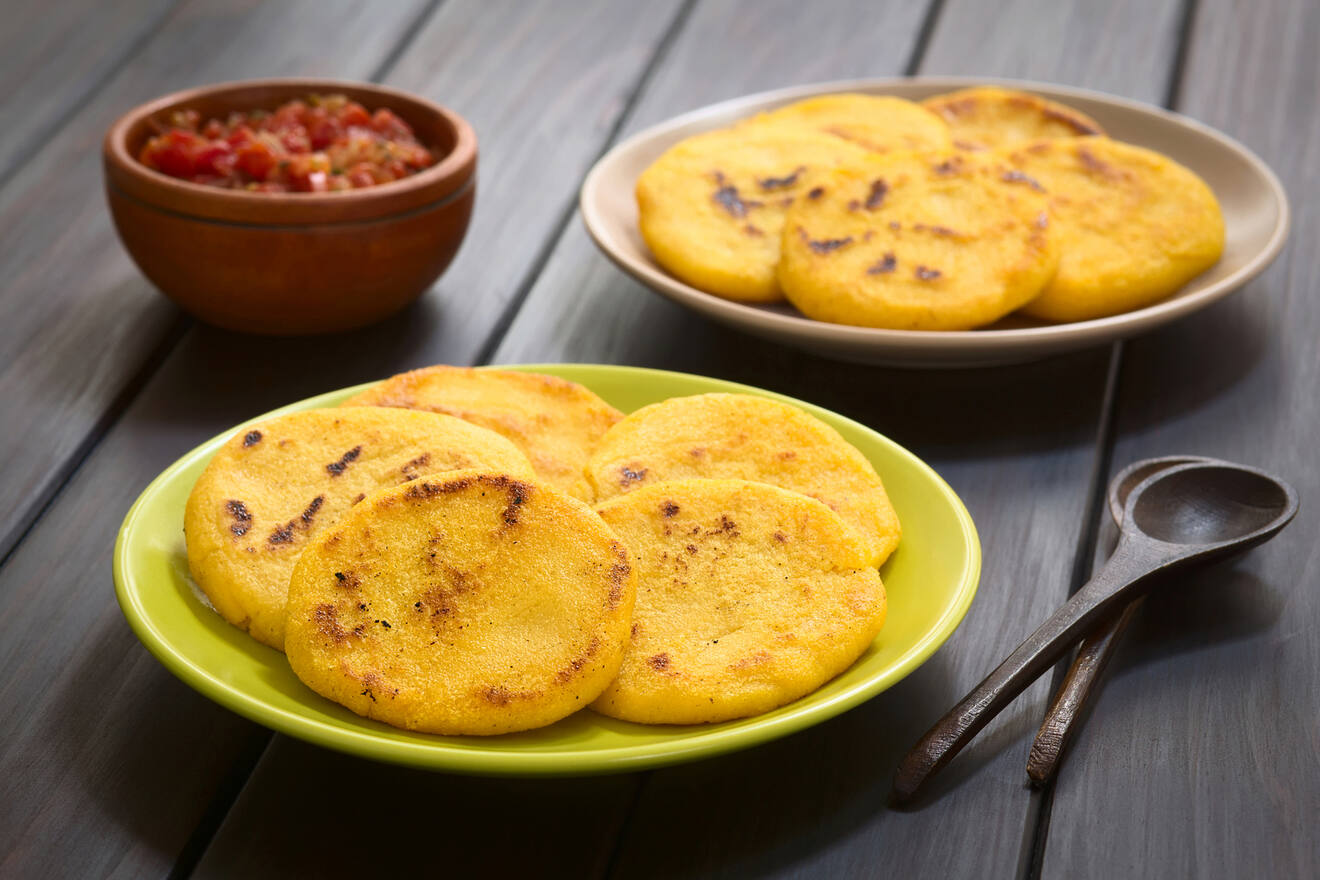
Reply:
x=1082, y=684
x=1192, y=513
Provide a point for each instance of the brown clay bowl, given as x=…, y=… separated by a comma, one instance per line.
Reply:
x=291, y=263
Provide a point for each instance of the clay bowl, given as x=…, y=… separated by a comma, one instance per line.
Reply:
x=291, y=263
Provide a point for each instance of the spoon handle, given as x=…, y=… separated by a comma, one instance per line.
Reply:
x=1072, y=703
x=1041, y=649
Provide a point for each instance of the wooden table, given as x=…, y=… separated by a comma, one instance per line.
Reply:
x=1204, y=756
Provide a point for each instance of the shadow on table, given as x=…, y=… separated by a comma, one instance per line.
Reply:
x=1185, y=366
x=220, y=377
x=1210, y=608
x=972, y=412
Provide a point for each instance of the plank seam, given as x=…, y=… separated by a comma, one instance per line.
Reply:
x=511, y=309
x=924, y=35
x=410, y=35
x=1037, y=824
x=30, y=151
x=118, y=406
x=1036, y=832
x=625, y=825
x=221, y=803
x=1186, y=25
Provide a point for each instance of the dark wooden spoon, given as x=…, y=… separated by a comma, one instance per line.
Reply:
x=1082, y=683
x=1193, y=513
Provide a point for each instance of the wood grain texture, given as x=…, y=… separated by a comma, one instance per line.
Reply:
x=1208, y=731
x=1127, y=47
x=80, y=321
x=109, y=761
x=52, y=63
x=1016, y=443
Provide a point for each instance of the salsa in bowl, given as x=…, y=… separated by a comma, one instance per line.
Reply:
x=320, y=143
x=279, y=250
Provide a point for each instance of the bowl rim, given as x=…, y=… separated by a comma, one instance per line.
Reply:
x=125, y=172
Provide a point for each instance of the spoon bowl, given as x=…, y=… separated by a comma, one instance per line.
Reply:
x=1121, y=486
x=1210, y=503
x=1190, y=513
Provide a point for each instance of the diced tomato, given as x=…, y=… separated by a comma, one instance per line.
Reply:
x=296, y=140
x=286, y=115
x=354, y=114
x=172, y=152
x=239, y=136
x=386, y=123
x=327, y=143
x=214, y=159
x=362, y=174
x=323, y=132
x=256, y=159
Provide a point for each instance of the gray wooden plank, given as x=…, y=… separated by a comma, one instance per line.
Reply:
x=213, y=379
x=52, y=64
x=1016, y=443
x=109, y=762
x=399, y=822
x=1205, y=742
x=79, y=321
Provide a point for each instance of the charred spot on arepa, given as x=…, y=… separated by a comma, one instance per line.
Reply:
x=410, y=469
x=518, y=495
x=518, y=491
x=576, y=665
x=935, y=229
x=500, y=695
x=441, y=600
x=886, y=264
x=727, y=198
x=1015, y=176
x=326, y=618
x=242, y=517
x=284, y=534
x=949, y=166
x=335, y=468
x=1098, y=166
x=628, y=475
x=1071, y=119
x=773, y=183
x=876, y=197
x=825, y=245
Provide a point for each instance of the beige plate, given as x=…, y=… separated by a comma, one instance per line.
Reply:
x=1255, y=210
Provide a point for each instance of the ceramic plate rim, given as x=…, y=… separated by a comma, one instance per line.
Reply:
x=584, y=762
x=953, y=343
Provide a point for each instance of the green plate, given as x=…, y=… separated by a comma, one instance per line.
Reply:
x=930, y=580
